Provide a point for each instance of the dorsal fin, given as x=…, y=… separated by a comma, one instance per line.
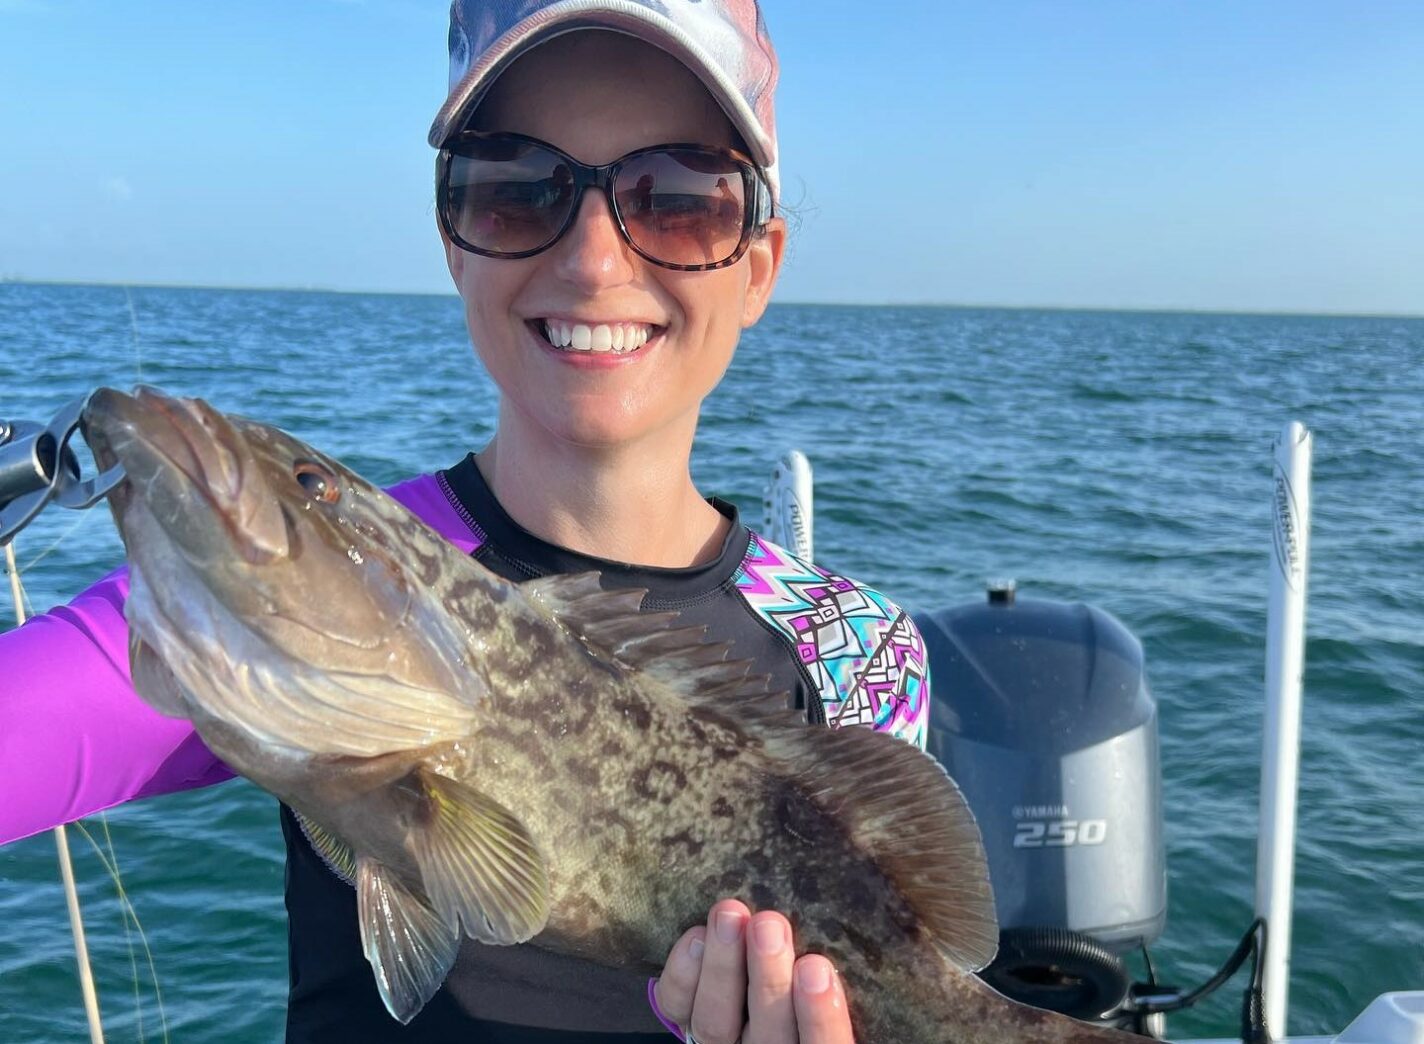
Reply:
x=611, y=627
x=905, y=812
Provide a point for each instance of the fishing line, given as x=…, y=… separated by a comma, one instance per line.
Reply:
x=83, y=517
x=124, y=907
x=111, y=865
x=128, y=935
x=66, y=866
x=133, y=330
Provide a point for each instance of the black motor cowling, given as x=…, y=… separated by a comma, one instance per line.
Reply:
x=1041, y=712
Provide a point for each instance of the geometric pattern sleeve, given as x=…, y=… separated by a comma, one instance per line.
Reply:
x=863, y=652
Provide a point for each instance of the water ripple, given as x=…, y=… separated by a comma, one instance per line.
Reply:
x=1118, y=459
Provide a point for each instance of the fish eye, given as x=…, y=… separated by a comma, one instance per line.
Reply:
x=319, y=483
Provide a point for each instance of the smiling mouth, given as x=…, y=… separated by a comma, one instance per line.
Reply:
x=612, y=338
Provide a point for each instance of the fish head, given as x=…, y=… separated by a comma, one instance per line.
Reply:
x=195, y=472
x=249, y=546
x=269, y=524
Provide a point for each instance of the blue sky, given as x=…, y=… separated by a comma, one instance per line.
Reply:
x=1264, y=156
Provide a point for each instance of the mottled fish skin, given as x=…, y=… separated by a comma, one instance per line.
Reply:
x=634, y=870
x=655, y=796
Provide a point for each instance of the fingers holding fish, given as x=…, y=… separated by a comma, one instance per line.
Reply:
x=771, y=1014
x=737, y=981
x=719, y=1008
x=676, y=988
x=822, y=1015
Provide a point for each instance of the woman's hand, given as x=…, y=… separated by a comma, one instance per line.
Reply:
x=738, y=979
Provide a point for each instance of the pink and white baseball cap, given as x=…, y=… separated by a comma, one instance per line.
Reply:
x=724, y=42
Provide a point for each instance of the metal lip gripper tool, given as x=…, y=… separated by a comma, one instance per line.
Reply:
x=37, y=467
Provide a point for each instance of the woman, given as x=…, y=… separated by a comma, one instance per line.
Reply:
x=605, y=282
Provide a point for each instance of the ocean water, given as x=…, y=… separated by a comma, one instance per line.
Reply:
x=1118, y=459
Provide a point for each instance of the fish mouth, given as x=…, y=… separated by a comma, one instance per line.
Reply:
x=188, y=462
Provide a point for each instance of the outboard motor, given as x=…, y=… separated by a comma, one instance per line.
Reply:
x=1042, y=715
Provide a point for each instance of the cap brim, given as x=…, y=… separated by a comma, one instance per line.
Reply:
x=633, y=20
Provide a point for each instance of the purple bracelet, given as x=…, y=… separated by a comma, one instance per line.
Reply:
x=668, y=1024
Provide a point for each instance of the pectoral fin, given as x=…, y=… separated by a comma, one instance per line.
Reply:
x=409, y=945
x=480, y=866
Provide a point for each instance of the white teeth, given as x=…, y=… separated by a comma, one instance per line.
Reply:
x=556, y=333
x=580, y=337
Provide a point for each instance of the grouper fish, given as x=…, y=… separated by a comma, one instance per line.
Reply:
x=534, y=762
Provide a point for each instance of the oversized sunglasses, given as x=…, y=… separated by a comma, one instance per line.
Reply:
x=687, y=207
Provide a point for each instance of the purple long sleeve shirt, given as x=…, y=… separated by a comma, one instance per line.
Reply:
x=76, y=739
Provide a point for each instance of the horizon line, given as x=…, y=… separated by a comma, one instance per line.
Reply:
x=955, y=306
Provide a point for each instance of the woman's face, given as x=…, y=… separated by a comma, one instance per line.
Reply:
x=598, y=96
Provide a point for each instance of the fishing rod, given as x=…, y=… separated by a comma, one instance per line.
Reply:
x=37, y=468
